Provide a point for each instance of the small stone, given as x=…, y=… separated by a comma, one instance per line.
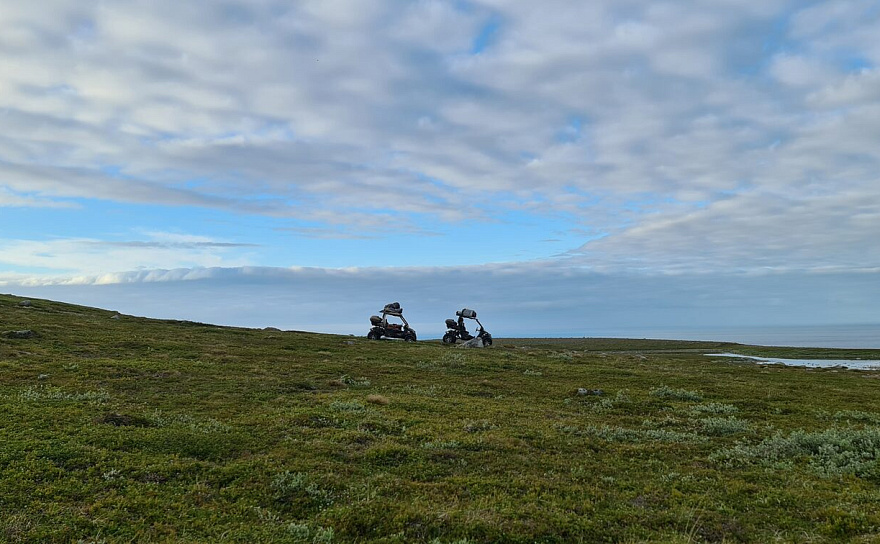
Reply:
x=25, y=304
x=115, y=316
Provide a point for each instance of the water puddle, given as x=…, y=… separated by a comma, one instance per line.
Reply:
x=855, y=364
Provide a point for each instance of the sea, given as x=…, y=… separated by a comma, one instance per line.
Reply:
x=811, y=336
x=854, y=364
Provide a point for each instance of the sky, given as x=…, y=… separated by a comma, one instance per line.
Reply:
x=564, y=167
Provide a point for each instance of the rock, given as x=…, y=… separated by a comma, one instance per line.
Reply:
x=475, y=342
x=583, y=392
x=25, y=304
x=20, y=334
x=115, y=316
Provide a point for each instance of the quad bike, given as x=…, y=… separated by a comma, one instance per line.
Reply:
x=381, y=328
x=457, y=330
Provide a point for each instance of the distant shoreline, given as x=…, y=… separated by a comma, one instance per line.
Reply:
x=863, y=336
x=855, y=336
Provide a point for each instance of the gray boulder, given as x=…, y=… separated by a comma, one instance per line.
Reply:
x=475, y=342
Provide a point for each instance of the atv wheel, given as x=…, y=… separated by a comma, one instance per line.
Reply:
x=449, y=338
x=372, y=335
x=487, y=340
x=411, y=337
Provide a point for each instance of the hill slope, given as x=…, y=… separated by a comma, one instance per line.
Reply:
x=129, y=429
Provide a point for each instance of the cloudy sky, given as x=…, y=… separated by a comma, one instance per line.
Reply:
x=568, y=166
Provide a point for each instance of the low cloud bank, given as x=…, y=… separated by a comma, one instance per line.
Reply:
x=511, y=300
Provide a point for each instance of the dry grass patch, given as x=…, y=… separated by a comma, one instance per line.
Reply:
x=378, y=399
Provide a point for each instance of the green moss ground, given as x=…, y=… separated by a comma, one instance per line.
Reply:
x=138, y=430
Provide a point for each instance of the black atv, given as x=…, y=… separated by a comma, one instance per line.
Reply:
x=457, y=330
x=383, y=329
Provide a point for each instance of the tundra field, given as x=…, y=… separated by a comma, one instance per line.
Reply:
x=126, y=429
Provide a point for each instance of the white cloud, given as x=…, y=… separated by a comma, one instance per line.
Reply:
x=11, y=199
x=72, y=260
x=859, y=89
x=745, y=233
x=691, y=114
x=799, y=71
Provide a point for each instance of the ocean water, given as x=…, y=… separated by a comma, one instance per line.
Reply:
x=855, y=364
x=813, y=336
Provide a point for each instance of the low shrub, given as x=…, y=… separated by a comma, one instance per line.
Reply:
x=621, y=434
x=441, y=445
x=296, y=487
x=665, y=392
x=355, y=382
x=831, y=452
x=55, y=394
x=206, y=425
x=858, y=416
x=715, y=408
x=478, y=426
x=723, y=426
x=347, y=406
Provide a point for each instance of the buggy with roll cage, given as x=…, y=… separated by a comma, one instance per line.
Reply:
x=456, y=330
x=382, y=328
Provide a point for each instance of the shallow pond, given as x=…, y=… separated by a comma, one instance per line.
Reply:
x=856, y=364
